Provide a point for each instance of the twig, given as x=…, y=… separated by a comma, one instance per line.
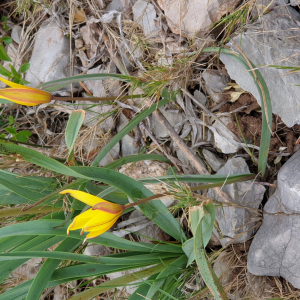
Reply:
x=196, y=162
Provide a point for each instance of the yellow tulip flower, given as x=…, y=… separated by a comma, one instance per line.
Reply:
x=24, y=95
x=96, y=220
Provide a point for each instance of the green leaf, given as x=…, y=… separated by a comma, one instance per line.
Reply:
x=155, y=210
x=5, y=72
x=75, y=122
x=33, y=243
x=134, y=258
x=3, y=55
x=121, y=281
x=265, y=101
x=25, y=67
x=135, y=158
x=174, y=268
x=49, y=266
x=14, y=71
x=49, y=227
x=55, y=85
x=130, y=126
x=7, y=40
x=23, y=136
x=197, y=215
x=11, y=130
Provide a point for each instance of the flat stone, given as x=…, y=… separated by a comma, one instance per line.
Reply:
x=144, y=13
x=213, y=160
x=113, y=155
x=115, y=5
x=223, y=140
x=275, y=247
x=173, y=116
x=50, y=57
x=236, y=223
x=127, y=142
x=96, y=111
x=194, y=17
x=273, y=40
x=16, y=33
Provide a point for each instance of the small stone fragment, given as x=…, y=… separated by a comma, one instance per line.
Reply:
x=213, y=160
x=237, y=224
x=145, y=14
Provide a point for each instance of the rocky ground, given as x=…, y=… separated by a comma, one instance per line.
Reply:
x=160, y=41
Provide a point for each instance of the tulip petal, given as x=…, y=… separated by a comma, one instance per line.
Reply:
x=84, y=197
x=101, y=229
x=29, y=97
x=82, y=219
x=100, y=219
x=108, y=207
x=15, y=85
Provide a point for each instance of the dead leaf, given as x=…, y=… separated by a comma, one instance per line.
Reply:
x=235, y=95
x=80, y=16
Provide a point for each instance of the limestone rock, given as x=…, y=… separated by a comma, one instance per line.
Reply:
x=145, y=14
x=193, y=17
x=237, y=224
x=50, y=57
x=173, y=116
x=223, y=140
x=274, y=250
x=96, y=111
x=213, y=160
x=277, y=44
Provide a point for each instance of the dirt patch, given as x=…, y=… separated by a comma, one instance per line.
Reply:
x=250, y=122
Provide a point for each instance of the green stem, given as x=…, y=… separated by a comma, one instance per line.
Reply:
x=97, y=99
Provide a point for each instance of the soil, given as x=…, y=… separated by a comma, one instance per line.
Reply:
x=250, y=123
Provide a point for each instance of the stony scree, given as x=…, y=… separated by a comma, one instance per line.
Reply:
x=50, y=39
x=193, y=17
x=274, y=250
x=237, y=224
x=144, y=13
x=276, y=44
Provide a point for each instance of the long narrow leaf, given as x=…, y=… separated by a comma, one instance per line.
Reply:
x=49, y=266
x=74, y=123
x=48, y=227
x=197, y=213
x=265, y=101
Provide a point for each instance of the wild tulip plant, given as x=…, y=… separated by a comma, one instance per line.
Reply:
x=166, y=266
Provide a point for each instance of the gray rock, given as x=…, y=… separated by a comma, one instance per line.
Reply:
x=16, y=33
x=173, y=116
x=273, y=40
x=115, y=5
x=100, y=88
x=213, y=160
x=275, y=248
x=215, y=81
x=193, y=17
x=200, y=97
x=223, y=140
x=111, y=156
x=50, y=57
x=127, y=142
x=237, y=224
x=145, y=14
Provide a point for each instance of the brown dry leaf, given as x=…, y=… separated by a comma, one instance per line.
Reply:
x=80, y=16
